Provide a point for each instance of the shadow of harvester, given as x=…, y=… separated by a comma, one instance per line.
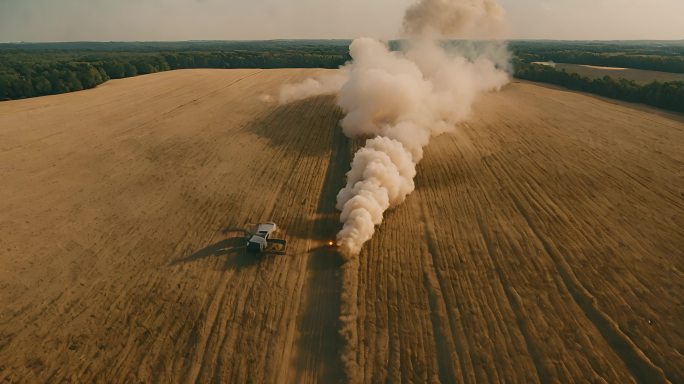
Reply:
x=234, y=248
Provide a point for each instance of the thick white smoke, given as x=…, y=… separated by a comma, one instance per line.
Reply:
x=465, y=19
x=400, y=100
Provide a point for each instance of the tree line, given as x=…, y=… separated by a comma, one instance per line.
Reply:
x=46, y=71
x=664, y=56
x=668, y=95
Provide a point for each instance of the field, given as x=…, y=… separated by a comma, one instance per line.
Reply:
x=637, y=75
x=543, y=241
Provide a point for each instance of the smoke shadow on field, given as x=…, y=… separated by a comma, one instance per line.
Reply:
x=233, y=248
x=282, y=126
x=320, y=343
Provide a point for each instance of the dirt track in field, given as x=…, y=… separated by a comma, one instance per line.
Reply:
x=543, y=241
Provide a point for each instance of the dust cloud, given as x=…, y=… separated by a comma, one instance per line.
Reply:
x=455, y=19
x=402, y=99
x=329, y=83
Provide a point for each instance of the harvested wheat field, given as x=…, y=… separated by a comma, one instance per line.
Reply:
x=639, y=76
x=543, y=243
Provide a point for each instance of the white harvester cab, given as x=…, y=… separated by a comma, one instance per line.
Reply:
x=259, y=240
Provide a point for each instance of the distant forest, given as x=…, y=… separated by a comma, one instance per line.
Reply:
x=28, y=70
x=664, y=56
x=37, y=69
x=668, y=95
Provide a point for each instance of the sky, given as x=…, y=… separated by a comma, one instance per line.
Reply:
x=147, y=20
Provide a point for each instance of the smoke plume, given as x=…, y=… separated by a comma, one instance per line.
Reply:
x=402, y=99
x=399, y=101
x=455, y=19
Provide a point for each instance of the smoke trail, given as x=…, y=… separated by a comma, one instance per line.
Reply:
x=401, y=100
x=328, y=83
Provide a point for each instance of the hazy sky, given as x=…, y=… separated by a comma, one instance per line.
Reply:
x=68, y=20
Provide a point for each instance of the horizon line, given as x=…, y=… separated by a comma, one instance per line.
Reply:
x=323, y=39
